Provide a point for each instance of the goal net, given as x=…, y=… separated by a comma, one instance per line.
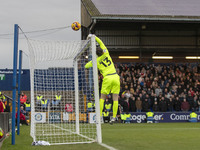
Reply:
x=61, y=91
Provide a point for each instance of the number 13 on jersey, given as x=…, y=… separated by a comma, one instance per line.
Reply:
x=106, y=62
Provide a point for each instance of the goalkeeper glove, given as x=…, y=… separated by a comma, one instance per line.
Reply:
x=89, y=36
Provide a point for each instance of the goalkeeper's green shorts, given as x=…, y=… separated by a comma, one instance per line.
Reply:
x=111, y=84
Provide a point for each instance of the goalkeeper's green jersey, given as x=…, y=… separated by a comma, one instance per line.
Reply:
x=104, y=62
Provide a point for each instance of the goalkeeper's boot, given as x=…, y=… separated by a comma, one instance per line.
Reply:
x=113, y=120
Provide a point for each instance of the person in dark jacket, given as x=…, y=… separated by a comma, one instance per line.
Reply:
x=190, y=100
x=170, y=104
x=162, y=105
x=132, y=104
x=145, y=105
x=195, y=103
x=122, y=99
x=177, y=104
x=155, y=107
x=125, y=104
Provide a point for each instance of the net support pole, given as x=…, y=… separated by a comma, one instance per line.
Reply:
x=32, y=66
x=76, y=96
x=96, y=89
x=16, y=30
x=32, y=104
x=19, y=91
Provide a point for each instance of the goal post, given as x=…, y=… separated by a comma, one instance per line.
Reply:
x=76, y=97
x=96, y=90
x=61, y=88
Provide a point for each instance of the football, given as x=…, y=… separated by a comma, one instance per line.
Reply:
x=76, y=26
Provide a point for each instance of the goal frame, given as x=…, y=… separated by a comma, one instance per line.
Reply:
x=76, y=86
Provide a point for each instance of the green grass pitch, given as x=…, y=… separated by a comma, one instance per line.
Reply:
x=158, y=136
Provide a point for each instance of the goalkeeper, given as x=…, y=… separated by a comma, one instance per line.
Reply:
x=111, y=80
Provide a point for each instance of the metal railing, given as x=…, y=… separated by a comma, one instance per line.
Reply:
x=6, y=117
x=5, y=123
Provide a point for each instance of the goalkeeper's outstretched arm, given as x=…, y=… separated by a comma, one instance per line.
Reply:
x=99, y=41
x=103, y=47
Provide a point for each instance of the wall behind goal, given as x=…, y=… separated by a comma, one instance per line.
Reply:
x=6, y=78
x=57, y=79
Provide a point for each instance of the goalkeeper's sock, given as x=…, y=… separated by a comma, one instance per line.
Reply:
x=101, y=106
x=115, y=108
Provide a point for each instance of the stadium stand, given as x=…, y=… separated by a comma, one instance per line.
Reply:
x=165, y=85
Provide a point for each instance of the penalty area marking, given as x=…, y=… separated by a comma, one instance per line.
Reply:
x=107, y=146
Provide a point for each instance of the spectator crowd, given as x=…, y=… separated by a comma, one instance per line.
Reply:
x=162, y=87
